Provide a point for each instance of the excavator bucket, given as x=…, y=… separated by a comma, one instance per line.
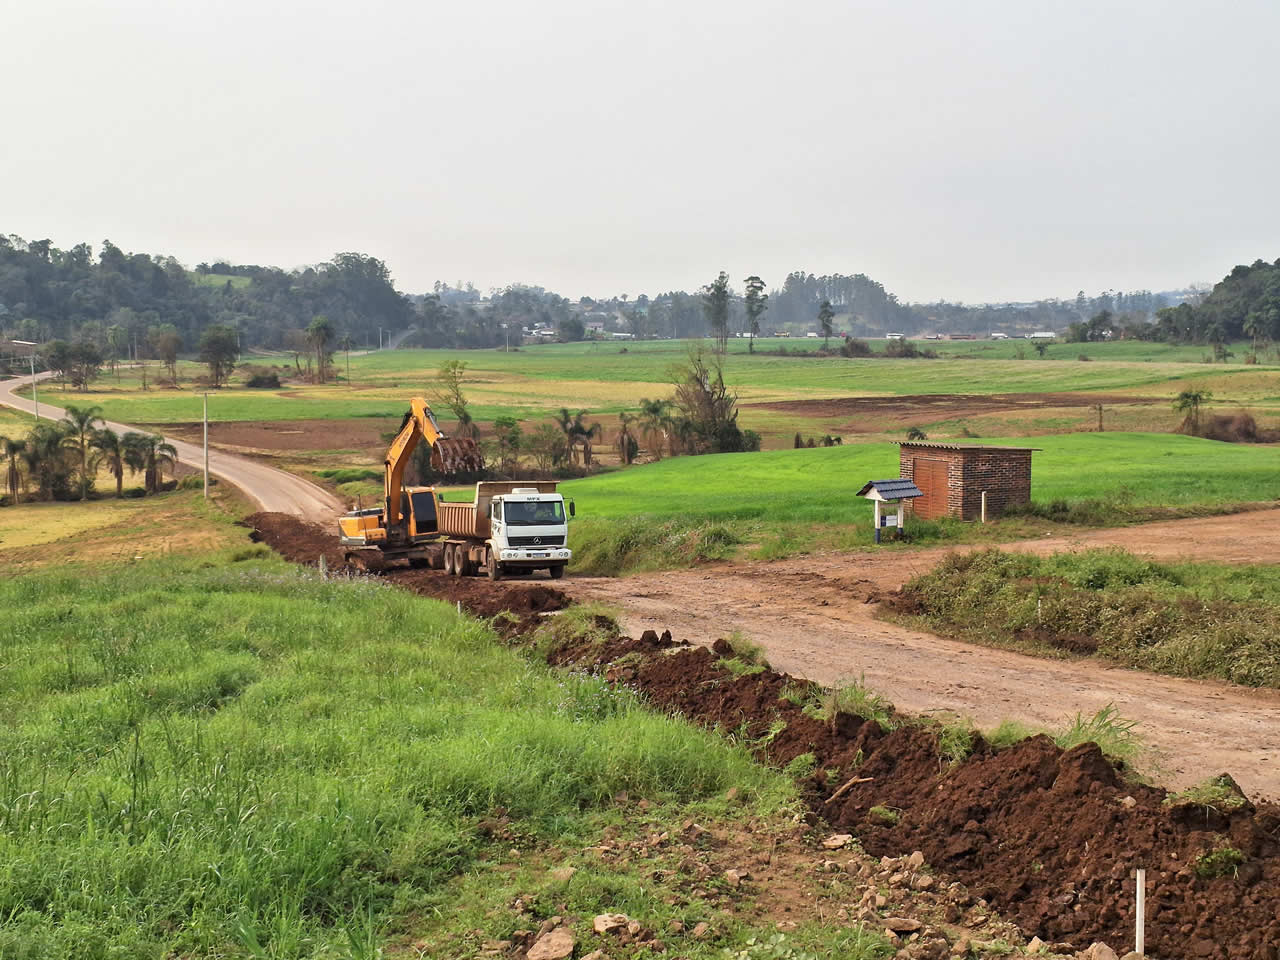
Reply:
x=456, y=456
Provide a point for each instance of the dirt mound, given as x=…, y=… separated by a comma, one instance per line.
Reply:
x=1047, y=836
x=295, y=539
x=301, y=542
x=1232, y=428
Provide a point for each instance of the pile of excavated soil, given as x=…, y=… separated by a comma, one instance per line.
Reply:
x=1049, y=837
x=301, y=542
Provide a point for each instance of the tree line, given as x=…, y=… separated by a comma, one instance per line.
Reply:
x=60, y=460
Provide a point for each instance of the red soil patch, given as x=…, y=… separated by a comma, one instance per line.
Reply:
x=301, y=542
x=1048, y=836
x=876, y=414
x=361, y=433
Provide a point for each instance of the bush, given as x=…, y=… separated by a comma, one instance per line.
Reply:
x=263, y=381
x=1108, y=603
x=853, y=347
x=350, y=474
x=750, y=441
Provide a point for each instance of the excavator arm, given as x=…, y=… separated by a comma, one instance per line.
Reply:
x=447, y=456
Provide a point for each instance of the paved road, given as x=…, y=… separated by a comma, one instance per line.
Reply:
x=272, y=489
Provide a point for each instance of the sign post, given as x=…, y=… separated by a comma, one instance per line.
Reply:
x=206, y=446
x=892, y=494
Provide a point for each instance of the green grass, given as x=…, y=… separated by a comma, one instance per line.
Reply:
x=1193, y=620
x=209, y=757
x=686, y=510
x=819, y=485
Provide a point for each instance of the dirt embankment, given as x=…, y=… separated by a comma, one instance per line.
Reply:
x=302, y=542
x=1047, y=836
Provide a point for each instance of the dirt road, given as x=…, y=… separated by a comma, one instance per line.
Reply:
x=810, y=615
x=273, y=490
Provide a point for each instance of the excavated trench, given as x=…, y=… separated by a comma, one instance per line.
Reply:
x=1049, y=837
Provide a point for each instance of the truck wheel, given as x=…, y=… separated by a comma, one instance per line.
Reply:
x=494, y=568
x=449, y=568
x=557, y=571
x=462, y=561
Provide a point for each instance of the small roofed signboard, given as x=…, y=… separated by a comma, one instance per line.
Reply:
x=889, y=492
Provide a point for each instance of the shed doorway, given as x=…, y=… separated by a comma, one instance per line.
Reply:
x=931, y=476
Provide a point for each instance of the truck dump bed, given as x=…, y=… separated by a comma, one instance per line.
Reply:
x=471, y=520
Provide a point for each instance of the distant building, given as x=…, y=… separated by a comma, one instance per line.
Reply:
x=1043, y=335
x=999, y=336
x=595, y=326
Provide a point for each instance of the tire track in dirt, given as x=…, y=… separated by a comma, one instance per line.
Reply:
x=813, y=617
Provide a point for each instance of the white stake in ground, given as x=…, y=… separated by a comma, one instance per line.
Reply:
x=1140, y=912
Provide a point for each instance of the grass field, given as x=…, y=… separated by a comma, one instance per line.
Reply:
x=789, y=501
x=535, y=381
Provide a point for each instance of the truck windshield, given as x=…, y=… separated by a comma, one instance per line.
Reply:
x=533, y=513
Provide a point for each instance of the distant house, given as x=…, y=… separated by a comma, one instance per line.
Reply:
x=595, y=326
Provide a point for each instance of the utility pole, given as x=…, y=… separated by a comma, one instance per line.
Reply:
x=35, y=390
x=379, y=338
x=206, y=446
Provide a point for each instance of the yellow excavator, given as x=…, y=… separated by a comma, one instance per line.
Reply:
x=510, y=527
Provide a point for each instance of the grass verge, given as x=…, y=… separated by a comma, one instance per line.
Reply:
x=1190, y=620
x=211, y=757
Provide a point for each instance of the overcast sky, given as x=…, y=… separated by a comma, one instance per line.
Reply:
x=975, y=151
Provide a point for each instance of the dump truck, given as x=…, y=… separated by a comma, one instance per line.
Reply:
x=509, y=527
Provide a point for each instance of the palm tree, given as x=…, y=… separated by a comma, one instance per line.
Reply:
x=45, y=455
x=1190, y=402
x=655, y=424
x=565, y=422
x=11, y=450
x=583, y=434
x=111, y=453
x=627, y=445
x=149, y=454
x=80, y=427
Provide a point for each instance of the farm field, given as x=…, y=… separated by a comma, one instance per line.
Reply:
x=779, y=503
x=536, y=381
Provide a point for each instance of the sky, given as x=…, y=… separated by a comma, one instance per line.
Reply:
x=976, y=151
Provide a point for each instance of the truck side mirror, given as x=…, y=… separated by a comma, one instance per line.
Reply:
x=572, y=511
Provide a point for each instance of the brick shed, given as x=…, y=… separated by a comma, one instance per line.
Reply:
x=952, y=477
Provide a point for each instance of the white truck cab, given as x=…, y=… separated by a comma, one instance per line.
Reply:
x=530, y=529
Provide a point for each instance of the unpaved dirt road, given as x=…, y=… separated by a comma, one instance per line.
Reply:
x=273, y=490
x=809, y=614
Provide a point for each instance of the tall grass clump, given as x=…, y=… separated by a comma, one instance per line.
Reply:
x=202, y=758
x=608, y=547
x=1194, y=620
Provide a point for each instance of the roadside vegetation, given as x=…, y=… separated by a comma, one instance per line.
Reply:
x=230, y=757
x=1190, y=620
x=63, y=459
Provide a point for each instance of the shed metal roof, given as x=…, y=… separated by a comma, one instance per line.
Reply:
x=964, y=446
x=898, y=488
